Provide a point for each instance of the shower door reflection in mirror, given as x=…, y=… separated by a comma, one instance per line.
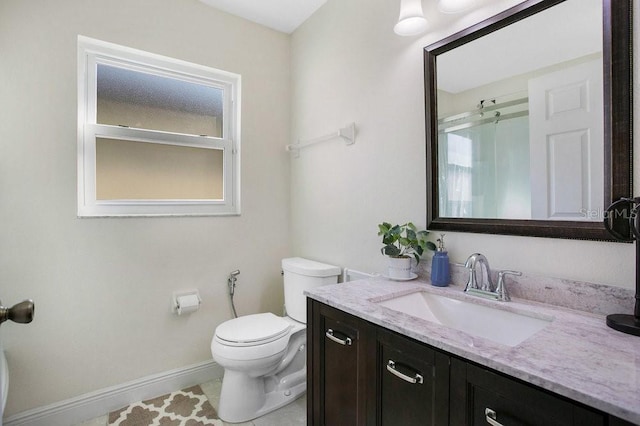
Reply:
x=520, y=119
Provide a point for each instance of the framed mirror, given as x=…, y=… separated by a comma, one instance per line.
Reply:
x=529, y=120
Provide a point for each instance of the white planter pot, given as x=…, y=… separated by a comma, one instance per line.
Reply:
x=399, y=267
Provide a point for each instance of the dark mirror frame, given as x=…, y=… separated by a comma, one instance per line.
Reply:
x=618, y=124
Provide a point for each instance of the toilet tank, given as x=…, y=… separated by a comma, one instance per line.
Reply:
x=301, y=275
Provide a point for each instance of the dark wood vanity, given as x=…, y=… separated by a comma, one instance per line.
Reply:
x=360, y=373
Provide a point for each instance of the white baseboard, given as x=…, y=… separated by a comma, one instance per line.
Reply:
x=95, y=404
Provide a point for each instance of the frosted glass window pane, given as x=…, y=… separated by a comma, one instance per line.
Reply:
x=127, y=170
x=146, y=101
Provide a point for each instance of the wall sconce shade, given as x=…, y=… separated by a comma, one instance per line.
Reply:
x=411, y=20
x=454, y=6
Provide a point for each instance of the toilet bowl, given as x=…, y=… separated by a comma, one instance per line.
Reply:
x=264, y=355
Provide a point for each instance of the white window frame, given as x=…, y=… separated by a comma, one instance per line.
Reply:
x=92, y=52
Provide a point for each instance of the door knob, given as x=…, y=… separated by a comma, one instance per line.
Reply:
x=21, y=312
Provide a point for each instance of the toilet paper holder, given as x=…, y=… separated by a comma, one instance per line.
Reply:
x=185, y=302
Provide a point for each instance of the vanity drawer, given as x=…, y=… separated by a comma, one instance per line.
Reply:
x=486, y=397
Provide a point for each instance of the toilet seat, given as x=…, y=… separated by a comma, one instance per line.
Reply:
x=253, y=337
x=252, y=330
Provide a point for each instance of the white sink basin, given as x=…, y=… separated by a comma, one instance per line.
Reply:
x=500, y=326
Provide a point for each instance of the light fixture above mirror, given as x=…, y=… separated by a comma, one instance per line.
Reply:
x=411, y=20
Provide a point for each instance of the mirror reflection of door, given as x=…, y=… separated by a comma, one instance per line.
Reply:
x=566, y=141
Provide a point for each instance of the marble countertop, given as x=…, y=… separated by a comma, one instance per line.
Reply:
x=576, y=356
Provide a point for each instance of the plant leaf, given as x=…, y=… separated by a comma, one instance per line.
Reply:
x=383, y=228
x=391, y=250
x=389, y=239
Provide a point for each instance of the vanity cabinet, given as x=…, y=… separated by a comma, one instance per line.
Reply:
x=337, y=363
x=411, y=382
x=359, y=374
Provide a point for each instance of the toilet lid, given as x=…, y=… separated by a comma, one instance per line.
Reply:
x=253, y=328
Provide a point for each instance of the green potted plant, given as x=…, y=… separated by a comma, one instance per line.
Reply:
x=400, y=243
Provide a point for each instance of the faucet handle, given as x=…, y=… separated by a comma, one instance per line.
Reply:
x=501, y=289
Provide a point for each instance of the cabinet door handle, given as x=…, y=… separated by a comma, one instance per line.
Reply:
x=491, y=417
x=343, y=342
x=391, y=368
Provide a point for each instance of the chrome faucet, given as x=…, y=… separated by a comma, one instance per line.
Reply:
x=470, y=264
x=486, y=287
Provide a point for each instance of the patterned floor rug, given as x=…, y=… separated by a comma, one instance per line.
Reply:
x=187, y=407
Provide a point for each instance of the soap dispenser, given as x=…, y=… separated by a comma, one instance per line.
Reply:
x=440, y=265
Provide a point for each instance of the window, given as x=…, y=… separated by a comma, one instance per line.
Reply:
x=156, y=136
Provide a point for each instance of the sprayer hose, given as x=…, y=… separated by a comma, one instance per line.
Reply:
x=233, y=306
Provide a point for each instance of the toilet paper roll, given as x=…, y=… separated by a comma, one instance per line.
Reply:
x=187, y=304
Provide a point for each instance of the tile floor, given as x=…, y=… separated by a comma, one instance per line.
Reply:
x=294, y=414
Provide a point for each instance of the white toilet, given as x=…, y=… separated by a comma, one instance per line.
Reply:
x=264, y=355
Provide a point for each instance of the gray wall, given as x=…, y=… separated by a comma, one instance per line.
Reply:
x=103, y=286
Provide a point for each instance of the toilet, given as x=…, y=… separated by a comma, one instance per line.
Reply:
x=264, y=355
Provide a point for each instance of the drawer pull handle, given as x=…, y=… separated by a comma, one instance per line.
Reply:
x=345, y=342
x=391, y=368
x=491, y=417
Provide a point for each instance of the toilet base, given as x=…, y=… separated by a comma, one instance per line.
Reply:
x=245, y=398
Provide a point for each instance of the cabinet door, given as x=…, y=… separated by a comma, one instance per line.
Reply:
x=337, y=366
x=484, y=397
x=412, y=382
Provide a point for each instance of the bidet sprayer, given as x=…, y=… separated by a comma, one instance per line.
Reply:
x=231, y=281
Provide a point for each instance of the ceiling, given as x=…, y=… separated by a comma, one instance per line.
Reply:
x=280, y=15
